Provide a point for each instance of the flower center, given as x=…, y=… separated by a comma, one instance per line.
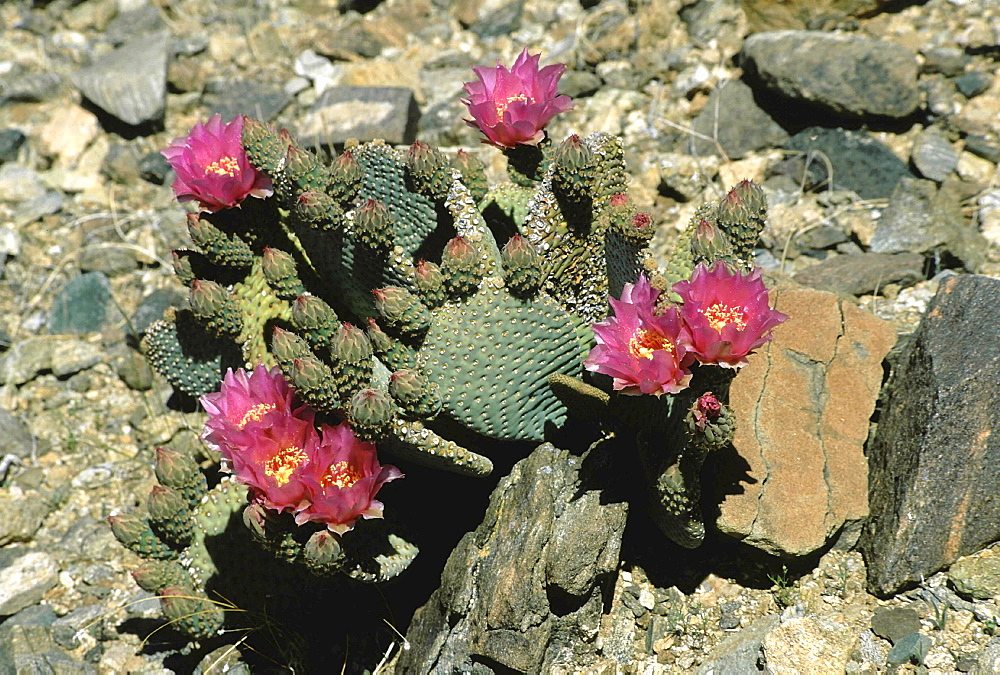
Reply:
x=645, y=342
x=503, y=103
x=720, y=315
x=227, y=166
x=283, y=463
x=255, y=414
x=340, y=475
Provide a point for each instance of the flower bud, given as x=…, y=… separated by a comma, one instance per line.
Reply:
x=351, y=345
x=373, y=224
x=175, y=469
x=709, y=242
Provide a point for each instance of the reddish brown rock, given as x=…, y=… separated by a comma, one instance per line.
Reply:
x=803, y=406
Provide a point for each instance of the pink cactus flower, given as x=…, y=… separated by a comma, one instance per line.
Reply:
x=274, y=465
x=343, y=480
x=244, y=406
x=643, y=352
x=212, y=166
x=726, y=313
x=513, y=106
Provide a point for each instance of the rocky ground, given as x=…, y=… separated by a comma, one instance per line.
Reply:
x=874, y=130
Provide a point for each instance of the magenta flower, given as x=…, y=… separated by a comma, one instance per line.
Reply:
x=726, y=313
x=212, y=166
x=513, y=106
x=274, y=465
x=343, y=480
x=244, y=406
x=643, y=352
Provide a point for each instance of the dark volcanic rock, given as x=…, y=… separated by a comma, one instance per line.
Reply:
x=857, y=160
x=934, y=461
x=529, y=582
x=82, y=304
x=846, y=74
x=364, y=113
x=734, y=119
x=864, y=272
x=129, y=83
x=260, y=100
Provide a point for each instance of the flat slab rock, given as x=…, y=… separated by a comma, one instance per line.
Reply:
x=936, y=453
x=803, y=407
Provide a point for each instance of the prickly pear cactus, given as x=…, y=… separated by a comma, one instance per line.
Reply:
x=398, y=292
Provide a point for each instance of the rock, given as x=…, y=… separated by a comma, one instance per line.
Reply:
x=810, y=644
x=765, y=15
x=66, y=628
x=11, y=142
x=26, y=645
x=32, y=209
x=26, y=359
x=260, y=100
x=893, y=623
x=152, y=307
x=989, y=215
x=15, y=438
x=812, y=389
x=740, y=652
x=134, y=370
x=732, y=117
x=68, y=134
x=127, y=25
x=82, y=304
x=933, y=155
x=933, y=465
x=973, y=83
x=546, y=539
x=364, y=113
x=154, y=168
x=129, y=83
x=863, y=273
x=18, y=183
x=846, y=74
x=949, y=61
x=72, y=356
x=910, y=648
x=975, y=170
x=23, y=514
x=24, y=581
x=504, y=20
x=921, y=218
x=977, y=575
x=31, y=87
x=112, y=261
x=989, y=658
x=982, y=146
x=858, y=161
x=318, y=69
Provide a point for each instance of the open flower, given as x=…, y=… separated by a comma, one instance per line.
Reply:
x=343, y=480
x=726, y=313
x=513, y=106
x=273, y=465
x=643, y=352
x=246, y=404
x=212, y=166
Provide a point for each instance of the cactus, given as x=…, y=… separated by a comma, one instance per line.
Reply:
x=404, y=298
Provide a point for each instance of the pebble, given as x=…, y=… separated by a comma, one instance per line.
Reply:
x=25, y=580
x=154, y=168
x=129, y=83
x=23, y=514
x=933, y=155
x=892, y=623
x=973, y=83
x=15, y=437
x=11, y=142
x=68, y=134
x=66, y=629
x=18, y=183
x=81, y=306
x=988, y=215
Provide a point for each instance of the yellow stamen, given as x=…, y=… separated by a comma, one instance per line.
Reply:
x=645, y=342
x=255, y=414
x=227, y=166
x=720, y=315
x=341, y=475
x=283, y=463
x=502, y=104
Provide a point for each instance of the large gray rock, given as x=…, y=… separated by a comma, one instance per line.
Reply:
x=364, y=113
x=921, y=218
x=732, y=118
x=529, y=583
x=863, y=273
x=934, y=462
x=24, y=580
x=129, y=83
x=846, y=74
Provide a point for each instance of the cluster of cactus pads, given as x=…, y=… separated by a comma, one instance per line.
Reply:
x=401, y=294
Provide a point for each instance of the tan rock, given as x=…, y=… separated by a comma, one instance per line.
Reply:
x=803, y=406
x=68, y=134
x=810, y=644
